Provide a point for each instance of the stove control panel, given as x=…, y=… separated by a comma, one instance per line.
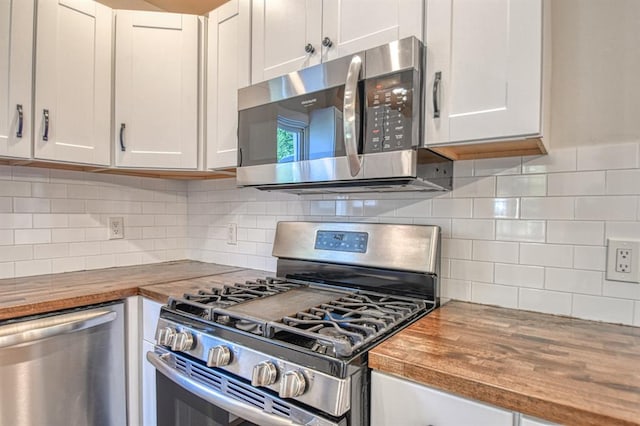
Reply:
x=354, y=242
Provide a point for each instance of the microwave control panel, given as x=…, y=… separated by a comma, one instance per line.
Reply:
x=390, y=122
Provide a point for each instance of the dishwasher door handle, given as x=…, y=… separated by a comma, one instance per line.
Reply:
x=43, y=328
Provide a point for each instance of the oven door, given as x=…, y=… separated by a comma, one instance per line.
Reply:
x=191, y=394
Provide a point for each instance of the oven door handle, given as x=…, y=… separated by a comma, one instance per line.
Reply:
x=233, y=406
x=349, y=115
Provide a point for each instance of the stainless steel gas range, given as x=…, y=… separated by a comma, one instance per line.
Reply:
x=292, y=349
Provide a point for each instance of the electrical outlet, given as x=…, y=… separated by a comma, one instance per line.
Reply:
x=232, y=234
x=623, y=261
x=116, y=228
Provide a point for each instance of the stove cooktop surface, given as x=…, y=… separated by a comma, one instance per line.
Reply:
x=335, y=322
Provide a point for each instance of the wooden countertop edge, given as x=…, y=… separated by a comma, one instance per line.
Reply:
x=494, y=395
x=147, y=292
x=53, y=305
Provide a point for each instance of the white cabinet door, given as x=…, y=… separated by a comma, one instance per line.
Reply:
x=355, y=25
x=228, y=56
x=489, y=56
x=281, y=29
x=16, y=62
x=73, y=81
x=403, y=403
x=148, y=387
x=156, y=90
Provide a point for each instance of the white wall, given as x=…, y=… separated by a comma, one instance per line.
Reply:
x=595, y=72
x=56, y=220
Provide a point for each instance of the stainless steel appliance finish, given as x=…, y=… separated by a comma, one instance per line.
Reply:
x=293, y=349
x=349, y=125
x=400, y=247
x=64, y=369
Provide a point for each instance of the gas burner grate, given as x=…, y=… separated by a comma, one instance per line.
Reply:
x=346, y=324
x=204, y=303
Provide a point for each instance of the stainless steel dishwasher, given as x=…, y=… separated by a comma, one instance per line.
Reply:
x=64, y=369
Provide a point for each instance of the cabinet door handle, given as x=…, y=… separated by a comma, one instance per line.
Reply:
x=45, y=116
x=326, y=42
x=122, y=147
x=20, y=121
x=309, y=49
x=436, y=94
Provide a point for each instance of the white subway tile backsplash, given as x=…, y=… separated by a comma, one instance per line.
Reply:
x=463, y=168
x=607, y=157
x=32, y=236
x=466, y=187
x=407, y=208
x=580, y=183
x=524, y=185
x=48, y=190
x=623, y=182
x=6, y=204
x=67, y=264
x=636, y=316
x=455, y=289
x=546, y=255
x=450, y=207
x=50, y=251
x=592, y=258
x=559, y=160
x=7, y=270
x=547, y=208
x=471, y=270
x=15, y=253
x=6, y=237
x=15, y=189
x=574, y=232
x=498, y=166
x=33, y=267
x=573, y=281
x=322, y=207
x=519, y=275
x=520, y=230
x=550, y=302
x=499, y=208
x=492, y=294
x=50, y=221
x=607, y=208
x=602, y=309
x=13, y=221
x=456, y=249
x=495, y=251
x=622, y=230
x=476, y=229
x=31, y=205
x=622, y=290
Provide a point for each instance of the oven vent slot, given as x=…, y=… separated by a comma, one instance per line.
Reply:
x=281, y=409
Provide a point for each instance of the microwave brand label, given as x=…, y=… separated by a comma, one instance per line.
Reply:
x=309, y=102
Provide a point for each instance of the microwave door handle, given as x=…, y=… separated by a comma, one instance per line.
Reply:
x=349, y=115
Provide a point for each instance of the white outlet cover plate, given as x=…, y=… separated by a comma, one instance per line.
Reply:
x=612, y=246
x=116, y=228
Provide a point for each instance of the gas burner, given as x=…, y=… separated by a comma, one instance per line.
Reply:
x=336, y=333
x=248, y=326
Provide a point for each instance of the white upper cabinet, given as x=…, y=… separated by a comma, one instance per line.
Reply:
x=228, y=67
x=156, y=90
x=288, y=35
x=350, y=26
x=16, y=61
x=484, y=70
x=73, y=81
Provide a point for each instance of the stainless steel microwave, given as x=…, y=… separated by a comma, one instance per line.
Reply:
x=349, y=125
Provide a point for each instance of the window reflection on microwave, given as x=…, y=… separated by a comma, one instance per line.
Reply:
x=308, y=136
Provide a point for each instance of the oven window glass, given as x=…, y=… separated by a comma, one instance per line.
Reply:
x=178, y=407
x=306, y=127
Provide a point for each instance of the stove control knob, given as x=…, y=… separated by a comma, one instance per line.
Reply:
x=165, y=336
x=219, y=356
x=182, y=341
x=264, y=374
x=293, y=384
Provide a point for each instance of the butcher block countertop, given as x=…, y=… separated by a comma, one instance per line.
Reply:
x=565, y=370
x=47, y=293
